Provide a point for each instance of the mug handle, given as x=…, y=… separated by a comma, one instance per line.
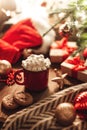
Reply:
x=15, y=77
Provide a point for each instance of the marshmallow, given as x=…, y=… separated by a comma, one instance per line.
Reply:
x=36, y=63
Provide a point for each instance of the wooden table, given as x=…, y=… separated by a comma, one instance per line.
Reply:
x=52, y=88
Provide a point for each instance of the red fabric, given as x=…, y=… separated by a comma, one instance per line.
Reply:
x=19, y=36
x=8, y=52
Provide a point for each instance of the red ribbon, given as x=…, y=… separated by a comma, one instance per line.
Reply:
x=62, y=44
x=78, y=65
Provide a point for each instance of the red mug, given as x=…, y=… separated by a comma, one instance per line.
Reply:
x=34, y=81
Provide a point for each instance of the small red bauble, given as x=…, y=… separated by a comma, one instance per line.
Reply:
x=80, y=104
x=85, y=53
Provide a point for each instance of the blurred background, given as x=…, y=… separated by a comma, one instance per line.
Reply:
x=70, y=12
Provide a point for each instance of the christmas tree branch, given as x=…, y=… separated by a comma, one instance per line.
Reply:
x=67, y=15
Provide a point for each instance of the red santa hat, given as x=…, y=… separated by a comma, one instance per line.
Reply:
x=26, y=33
x=19, y=36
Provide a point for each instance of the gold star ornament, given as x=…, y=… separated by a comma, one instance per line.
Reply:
x=59, y=79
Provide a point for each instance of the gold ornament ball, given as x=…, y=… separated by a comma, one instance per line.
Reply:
x=5, y=67
x=65, y=114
